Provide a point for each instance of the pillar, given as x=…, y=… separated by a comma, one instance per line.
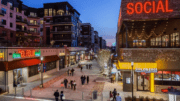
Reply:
x=151, y=82
x=65, y=62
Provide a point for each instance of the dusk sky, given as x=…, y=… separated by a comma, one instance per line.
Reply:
x=102, y=14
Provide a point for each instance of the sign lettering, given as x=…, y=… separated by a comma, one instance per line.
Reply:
x=148, y=7
x=26, y=53
x=146, y=70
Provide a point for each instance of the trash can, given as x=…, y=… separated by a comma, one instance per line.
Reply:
x=95, y=95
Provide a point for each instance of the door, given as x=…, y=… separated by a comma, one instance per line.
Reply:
x=143, y=82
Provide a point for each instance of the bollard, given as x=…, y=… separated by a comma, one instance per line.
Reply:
x=8, y=89
x=82, y=95
x=15, y=91
x=22, y=91
x=30, y=92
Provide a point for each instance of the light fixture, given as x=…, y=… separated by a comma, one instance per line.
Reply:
x=132, y=63
x=42, y=58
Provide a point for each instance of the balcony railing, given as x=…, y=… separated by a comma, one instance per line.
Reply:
x=21, y=20
x=34, y=32
x=151, y=44
x=61, y=22
x=21, y=30
x=33, y=16
x=33, y=24
x=63, y=30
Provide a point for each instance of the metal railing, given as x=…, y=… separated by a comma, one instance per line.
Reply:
x=32, y=16
x=21, y=20
x=37, y=24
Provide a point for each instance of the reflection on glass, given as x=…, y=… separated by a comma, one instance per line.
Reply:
x=166, y=75
x=158, y=76
x=175, y=76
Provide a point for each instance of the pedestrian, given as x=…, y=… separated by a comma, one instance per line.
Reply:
x=86, y=66
x=114, y=94
x=56, y=94
x=81, y=68
x=87, y=79
x=118, y=98
x=62, y=96
x=89, y=66
x=68, y=72
x=71, y=84
x=62, y=85
x=65, y=82
x=74, y=84
x=111, y=79
x=111, y=96
x=72, y=71
x=82, y=79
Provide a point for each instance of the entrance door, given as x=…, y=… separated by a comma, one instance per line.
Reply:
x=143, y=82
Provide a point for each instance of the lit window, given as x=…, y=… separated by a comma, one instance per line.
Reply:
x=45, y=12
x=54, y=12
x=153, y=41
x=165, y=41
x=41, y=21
x=60, y=12
x=31, y=21
x=17, y=9
x=31, y=13
x=32, y=29
x=50, y=12
x=175, y=39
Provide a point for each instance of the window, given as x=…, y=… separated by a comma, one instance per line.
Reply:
x=41, y=29
x=41, y=22
x=31, y=13
x=175, y=76
x=166, y=75
x=35, y=22
x=32, y=22
x=3, y=10
x=139, y=43
x=45, y=12
x=158, y=41
x=17, y=9
x=11, y=15
x=54, y=12
x=47, y=20
x=153, y=41
x=50, y=12
x=66, y=27
x=3, y=22
x=33, y=70
x=60, y=12
x=11, y=6
x=32, y=29
x=165, y=40
x=4, y=33
x=11, y=25
x=11, y=35
x=175, y=39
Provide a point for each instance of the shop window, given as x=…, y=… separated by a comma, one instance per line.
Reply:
x=158, y=41
x=45, y=12
x=175, y=39
x=54, y=12
x=11, y=15
x=175, y=76
x=165, y=41
x=139, y=43
x=11, y=25
x=50, y=12
x=158, y=76
x=153, y=42
x=51, y=65
x=166, y=75
x=33, y=70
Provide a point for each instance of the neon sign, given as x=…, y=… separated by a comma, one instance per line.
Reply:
x=26, y=53
x=148, y=7
x=1, y=55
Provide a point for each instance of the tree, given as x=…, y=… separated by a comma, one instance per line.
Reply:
x=103, y=57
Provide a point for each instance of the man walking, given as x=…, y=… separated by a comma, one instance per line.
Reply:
x=86, y=66
x=56, y=94
x=68, y=72
x=72, y=71
x=81, y=68
x=82, y=79
x=65, y=82
x=87, y=79
x=61, y=96
x=118, y=98
x=71, y=84
x=114, y=94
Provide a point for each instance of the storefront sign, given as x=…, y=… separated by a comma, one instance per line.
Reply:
x=1, y=55
x=146, y=70
x=26, y=53
x=61, y=54
x=149, y=7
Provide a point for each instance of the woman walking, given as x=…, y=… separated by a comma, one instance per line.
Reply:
x=74, y=85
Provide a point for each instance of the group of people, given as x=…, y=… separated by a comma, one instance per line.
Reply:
x=56, y=94
x=71, y=84
x=70, y=72
x=114, y=96
x=87, y=67
x=84, y=78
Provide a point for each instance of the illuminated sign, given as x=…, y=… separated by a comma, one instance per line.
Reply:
x=1, y=55
x=26, y=53
x=61, y=54
x=148, y=7
x=146, y=70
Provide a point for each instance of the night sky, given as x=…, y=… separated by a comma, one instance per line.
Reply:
x=102, y=14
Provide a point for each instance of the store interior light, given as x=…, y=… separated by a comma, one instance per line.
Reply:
x=42, y=58
x=114, y=70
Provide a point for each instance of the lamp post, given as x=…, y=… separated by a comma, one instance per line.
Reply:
x=42, y=72
x=132, y=63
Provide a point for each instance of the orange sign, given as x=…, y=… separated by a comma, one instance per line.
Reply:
x=27, y=53
x=148, y=7
x=1, y=55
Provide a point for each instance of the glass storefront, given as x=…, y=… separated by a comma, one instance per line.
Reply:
x=73, y=59
x=17, y=74
x=143, y=82
x=33, y=70
x=61, y=62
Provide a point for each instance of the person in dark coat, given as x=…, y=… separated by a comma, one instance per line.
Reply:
x=86, y=66
x=61, y=96
x=65, y=82
x=71, y=84
x=56, y=94
x=81, y=68
x=72, y=71
x=87, y=79
x=82, y=79
x=74, y=84
x=68, y=72
x=114, y=94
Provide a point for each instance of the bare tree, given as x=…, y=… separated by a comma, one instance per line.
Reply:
x=103, y=59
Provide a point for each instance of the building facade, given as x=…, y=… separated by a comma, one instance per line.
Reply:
x=102, y=43
x=148, y=35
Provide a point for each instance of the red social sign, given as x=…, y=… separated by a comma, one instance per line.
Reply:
x=148, y=7
x=27, y=53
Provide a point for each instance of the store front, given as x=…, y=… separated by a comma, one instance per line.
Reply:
x=72, y=58
x=143, y=81
x=61, y=62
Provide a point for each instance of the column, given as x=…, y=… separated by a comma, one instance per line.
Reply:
x=151, y=82
x=69, y=58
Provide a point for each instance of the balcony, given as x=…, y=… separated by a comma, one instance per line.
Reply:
x=34, y=33
x=1, y=24
x=2, y=13
x=33, y=16
x=66, y=31
x=21, y=30
x=2, y=35
x=33, y=24
x=22, y=21
x=61, y=23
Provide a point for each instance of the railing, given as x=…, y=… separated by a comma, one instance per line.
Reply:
x=151, y=44
x=32, y=32
x=22, y=30
x=32, y=24
x=32, y=16
x=21, y=20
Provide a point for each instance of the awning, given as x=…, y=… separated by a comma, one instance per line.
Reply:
x=5, y=66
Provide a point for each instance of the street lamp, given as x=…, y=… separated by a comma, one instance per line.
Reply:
x=132, y=63
x=42, y=72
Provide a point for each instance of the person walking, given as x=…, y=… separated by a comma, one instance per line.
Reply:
x=114, y=94
x=74, y=84
x=81, y=68
x=68, y=72
x=61, y=96
x=86, y=66
x=72, y=71
x=56, y=94
x=65, y=82
x=71, y=84
x=118, y=98
x=82, y=79
x=111, y=96
x=87, y=79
